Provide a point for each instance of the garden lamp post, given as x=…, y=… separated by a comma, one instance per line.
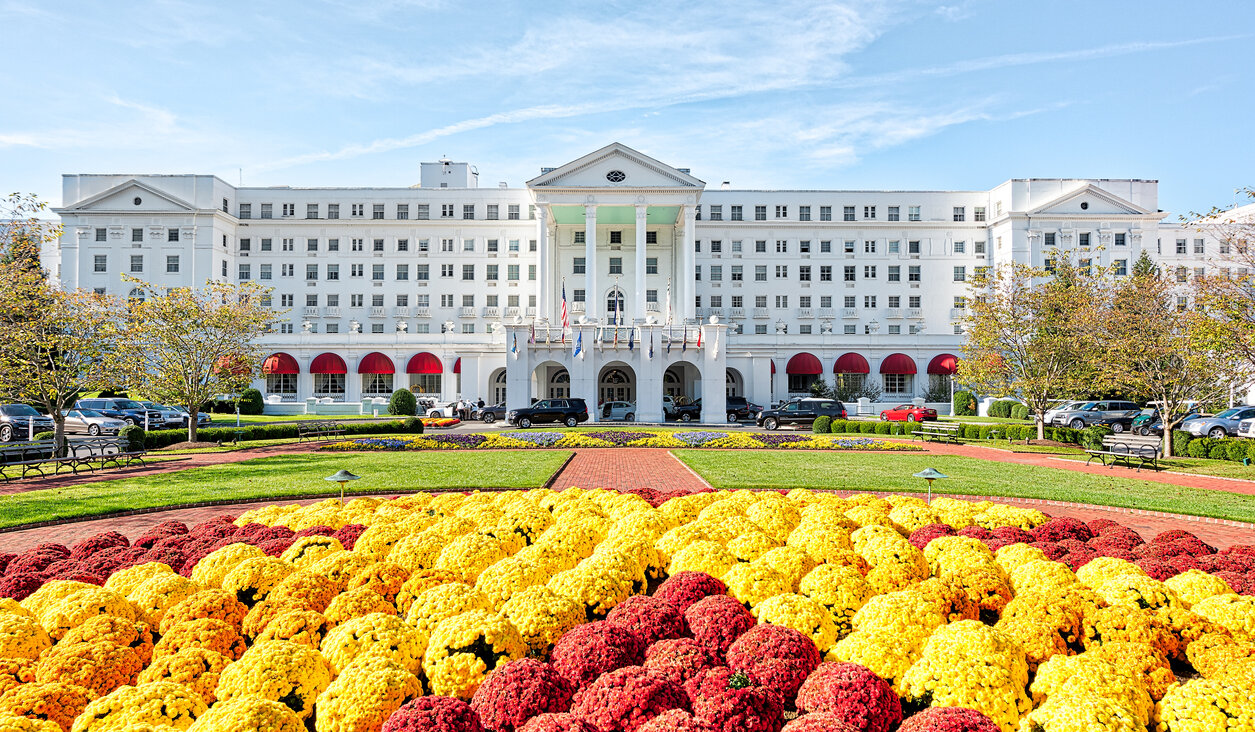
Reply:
x=345, y=476
x=928, y=474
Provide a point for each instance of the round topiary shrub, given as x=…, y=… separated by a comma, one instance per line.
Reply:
x=403, y=402
x=414, y=424
x=251, y=402
x=132, y=436
x=1019, y=411
x=822, y=424
x=1001, y=408
x=40, y=436
x=964, y=404
x=883, y=428
x=1198, y=448
x=1091, y=436
x=839, y=426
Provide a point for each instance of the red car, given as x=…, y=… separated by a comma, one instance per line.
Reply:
x=908, y=413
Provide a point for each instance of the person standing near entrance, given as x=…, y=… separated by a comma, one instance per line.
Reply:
x=480, y=404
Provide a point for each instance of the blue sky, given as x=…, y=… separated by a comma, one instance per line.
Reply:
x=908, y=94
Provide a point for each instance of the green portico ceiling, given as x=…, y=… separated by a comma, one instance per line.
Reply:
x=616, y=215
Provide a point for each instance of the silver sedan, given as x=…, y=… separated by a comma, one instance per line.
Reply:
x=92, y=422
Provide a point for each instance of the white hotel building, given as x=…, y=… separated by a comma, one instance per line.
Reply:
x=671, y=287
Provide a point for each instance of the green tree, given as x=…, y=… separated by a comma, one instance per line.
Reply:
x=54, y=343
x=186, y=346
x=1165, y=352
x=1227, y=292
x=23, y=233
x=1032, y=333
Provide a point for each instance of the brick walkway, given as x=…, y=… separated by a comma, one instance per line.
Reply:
x=629, y=467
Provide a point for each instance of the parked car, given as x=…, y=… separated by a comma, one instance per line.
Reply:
x=170, y=416
x=739, y=408
x=568, y=411
x=491, y=413
x=1156, y=427
x=127, y=410
x=1094, y=412
x=21, y=422
x=800, y=412
x=1119, y=423
x=618, y=411
x=908, y=413
x=92, y=422
x=443, y=409
x=203, y=419
x=1049, y=416
x=1246, y=428
x=688, y=411
x=1220, y=425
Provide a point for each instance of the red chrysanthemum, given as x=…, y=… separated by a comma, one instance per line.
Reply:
x=685, y=588
x=167, y=555
x=1243, y=549
x=1100, y=527
x=5, y=558
x=733, y=700
x=677, y=720
x=1184, y=563
x=76, y=574
x=105, y=561
x=1079, y=558
x=1239, y=583
x=979, y=533
x=949, y=719
x=650, y=618
x=160, y=531
x=781, y=658
x=1171, y=535
x=592, y=649
x=557, y=723
x=924, y=534
x=19, y=586
x=1157, y=568
x=680, y=659
x=51, y=547
x=1012, y=535
x=852, y=692
x=434, y=714
x=818, y=722
x=717, y=621
x=275, y=547
x=625, y=699
x=319, y=530
x=518, y=691
x=93, y=544
x=347, y=535
x=31, y=563
x=1060, y=528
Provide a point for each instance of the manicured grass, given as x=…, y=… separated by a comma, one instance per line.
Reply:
x=286, y=476
x=968, y=476
x=1199, y=466
x=985, y=420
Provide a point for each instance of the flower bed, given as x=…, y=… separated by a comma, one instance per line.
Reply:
x=543, y=610
x=523, y=440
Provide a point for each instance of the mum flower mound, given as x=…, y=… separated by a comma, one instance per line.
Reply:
x=948, y=719
x=518, y=691
x=781, y=658
x=727, y=699
x=434, y=714
x=854, y=694
x=624, y=700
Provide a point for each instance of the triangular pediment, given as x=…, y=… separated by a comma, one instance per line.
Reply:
x=1088, y=200
x=616, y=166
x=123, y=197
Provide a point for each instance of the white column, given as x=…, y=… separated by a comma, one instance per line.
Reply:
x=543, y=277
x=591, y=293
x=638, y=300
x=714, y=373
x=687, y=308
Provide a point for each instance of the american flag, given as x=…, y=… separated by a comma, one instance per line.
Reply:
x=566, y=319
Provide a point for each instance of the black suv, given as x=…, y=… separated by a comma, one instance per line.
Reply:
x=800, y=411
x=127, y=410
x=738, y=409
x=18, y=421
x=567, y=411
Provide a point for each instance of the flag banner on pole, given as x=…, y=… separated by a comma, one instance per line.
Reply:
x=531, y=339
x=670, y=337
x=699, y=336
x=632, y=339
x=566, y=318
x=515, y=347
x=651, y=345
x=579, y=344
x=684, y=338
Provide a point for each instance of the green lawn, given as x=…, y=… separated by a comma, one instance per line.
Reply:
x=969, y=476
x=985, y=420
x=288, y=476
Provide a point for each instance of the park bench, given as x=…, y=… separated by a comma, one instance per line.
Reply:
x=1117, y=451
x=26, y=457
x=939, y=431
x=318, y=431
x=101, y=453
x=40, y=456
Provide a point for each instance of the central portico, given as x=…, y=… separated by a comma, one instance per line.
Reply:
x=616, y=247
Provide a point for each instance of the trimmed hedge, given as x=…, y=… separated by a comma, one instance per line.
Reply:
x=1002, y=407
x=1019, y=411
x=964, y=404
x=251, y=402
x=137, y=439
x=1091, y=437
x=822, y=424
x=41, y=436
x=1181, y=442
x=164, y=438
x=402, y=403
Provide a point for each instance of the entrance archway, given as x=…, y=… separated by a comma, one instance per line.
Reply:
x=496, y=386
x=735, y=383
x=682, y=381
x=616, y=383
x=550, y=380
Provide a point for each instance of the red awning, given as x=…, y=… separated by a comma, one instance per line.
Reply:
x=943, y=364
x=424, y=363
x=328, y=363
x=851, y=363
x=803, y=363
x=375, y=363
x=773, y=366
x=279, y=363
x=457, y=366
x=898, y=363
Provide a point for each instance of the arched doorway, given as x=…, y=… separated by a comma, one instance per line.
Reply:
x=550, y=380
x=280, y=371
x=682, y=381
x=496, y=386
x=616, y=383
x=734, y=383
x=615, y=313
